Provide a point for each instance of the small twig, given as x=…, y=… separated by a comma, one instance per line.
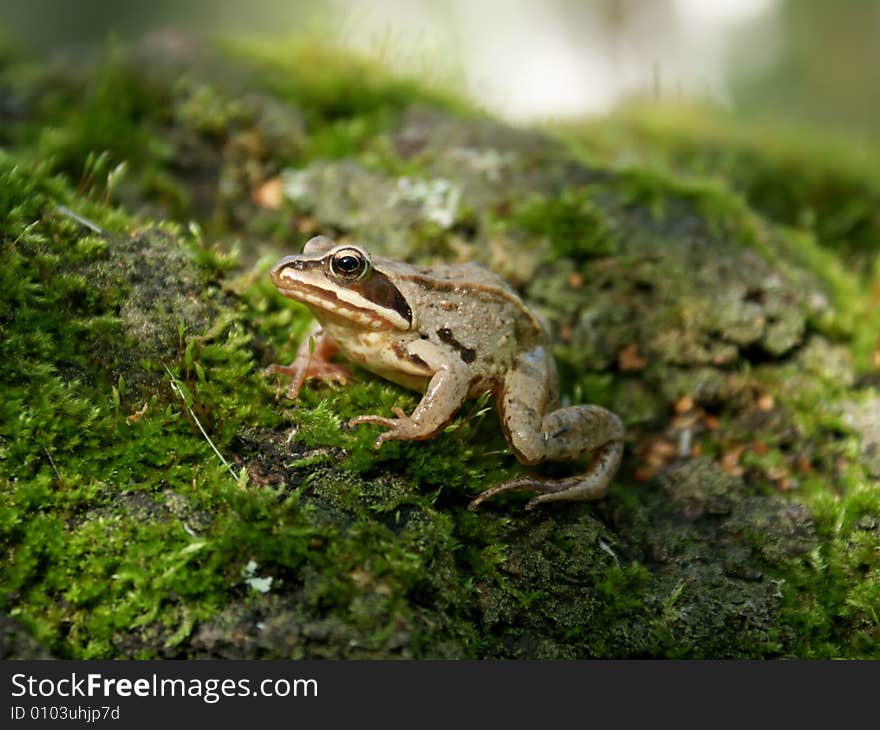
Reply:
x=607, y=548
x=175, y=386
x=684, y=443
x=52, y=462
x=64, y=210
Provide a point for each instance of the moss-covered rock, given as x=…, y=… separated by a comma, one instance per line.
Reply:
x=160, y=499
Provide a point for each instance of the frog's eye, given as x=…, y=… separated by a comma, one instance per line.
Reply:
x=349, y=264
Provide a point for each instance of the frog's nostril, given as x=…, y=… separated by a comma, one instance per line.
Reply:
x=288, y=262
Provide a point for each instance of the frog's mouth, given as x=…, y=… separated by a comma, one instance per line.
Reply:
x=305, y=281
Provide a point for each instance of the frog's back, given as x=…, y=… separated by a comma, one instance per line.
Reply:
x=472, y=288
x=469, y=278
x=474, y=313
x=471, y=273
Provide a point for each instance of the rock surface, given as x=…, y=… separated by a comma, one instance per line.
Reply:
x=743, y=523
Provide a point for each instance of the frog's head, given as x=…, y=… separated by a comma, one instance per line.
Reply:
x=340, y=282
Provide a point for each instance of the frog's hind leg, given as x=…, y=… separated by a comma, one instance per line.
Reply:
x=563, y=434
x=588, y=486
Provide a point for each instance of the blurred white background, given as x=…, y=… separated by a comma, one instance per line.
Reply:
x=817, y=62
x=530, y=60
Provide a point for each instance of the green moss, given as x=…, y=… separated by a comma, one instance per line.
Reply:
x=837, y=586
x=729, y=215
x=826, y=185
x=348, y=100
x=576, y=226
x=161, y=498
x=69, y=454
x=77, y=474
x=95, y=128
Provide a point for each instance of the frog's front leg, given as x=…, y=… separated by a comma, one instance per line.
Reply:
x=539, y=431
x=446, y=392
x=312, y=361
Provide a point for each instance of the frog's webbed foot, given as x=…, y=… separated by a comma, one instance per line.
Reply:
x=403, y=427
x=300, y=371
x=589, y=486
x=326, y=372
x=312, y=361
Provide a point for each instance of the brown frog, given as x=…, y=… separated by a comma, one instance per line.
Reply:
x=452, y=332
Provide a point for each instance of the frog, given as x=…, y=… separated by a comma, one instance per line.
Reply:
x=451, y=332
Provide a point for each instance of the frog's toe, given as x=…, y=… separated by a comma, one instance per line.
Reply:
x=574, y=489
x=546, y=497
x=521, y=483
x=383, y=437
x=390, y=423
x=276, y=368
x=402, y=428
x=328, y=372
x=375, y=420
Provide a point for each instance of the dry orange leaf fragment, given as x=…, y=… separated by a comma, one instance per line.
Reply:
x=306, y=225
x=645, y=473
x=730, y=461
x=684, y=404
x=766, y=403
x=629, y=358
x=803, y=465
x=137, y=416
x=269, y=195
x=657, y=451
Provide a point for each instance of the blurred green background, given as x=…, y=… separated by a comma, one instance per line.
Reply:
x=816, y=63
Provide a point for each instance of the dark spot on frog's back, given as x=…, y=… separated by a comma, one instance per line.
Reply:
x=465, y=353
x=378, y=289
